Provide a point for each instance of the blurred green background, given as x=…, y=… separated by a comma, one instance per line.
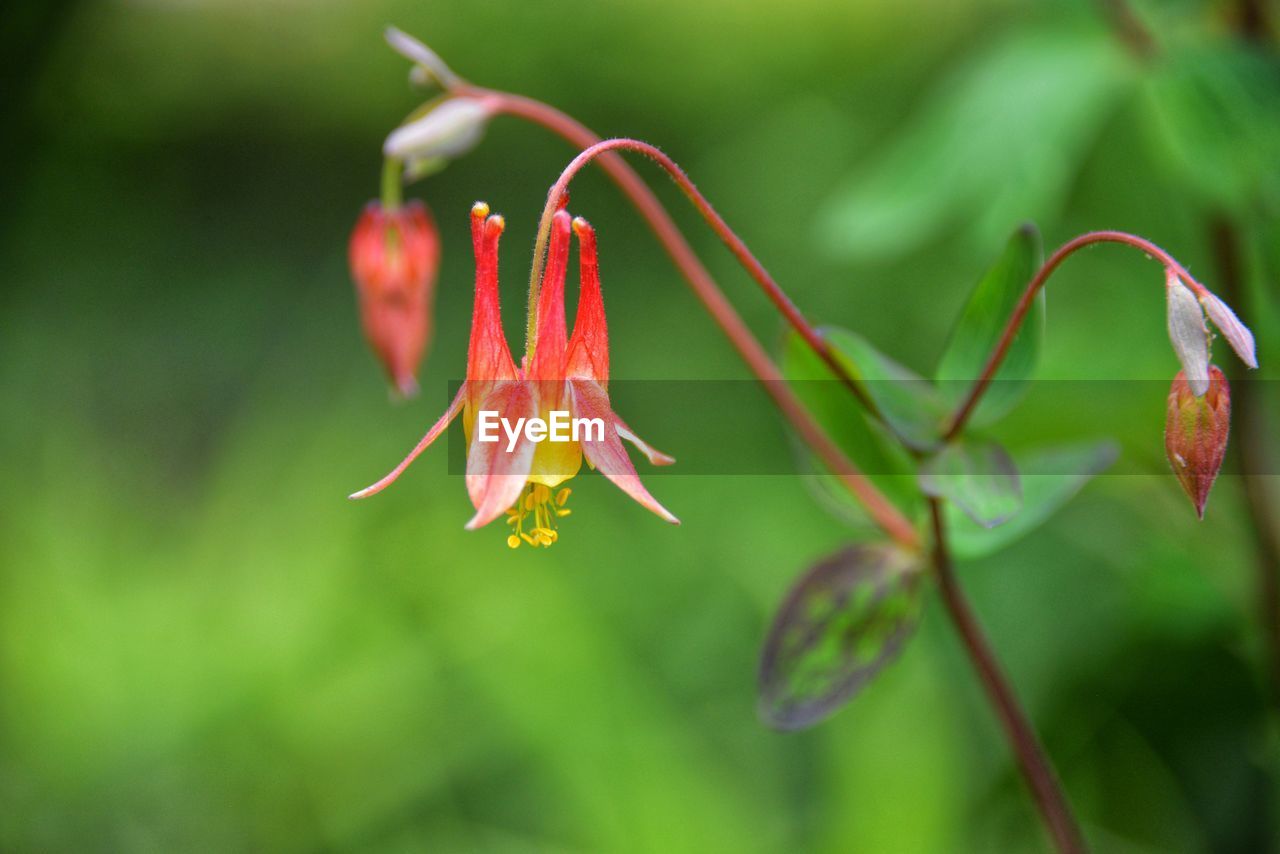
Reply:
x=204, y=647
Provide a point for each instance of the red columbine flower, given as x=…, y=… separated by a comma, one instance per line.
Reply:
x=520, y=477
x=1195, y=434
x=394, y=255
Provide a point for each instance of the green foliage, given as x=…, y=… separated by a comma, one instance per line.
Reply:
x=843, y=620
x=978, y=477
x=977, y=332
x=1047, y=479
x=1215, y=119
x=205, y=647
x=999, y=143
x=877, y=453
x=908, y=403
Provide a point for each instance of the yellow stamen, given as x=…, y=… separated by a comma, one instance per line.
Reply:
x=541, y=507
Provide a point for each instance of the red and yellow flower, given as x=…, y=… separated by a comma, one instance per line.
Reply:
x=557, y=373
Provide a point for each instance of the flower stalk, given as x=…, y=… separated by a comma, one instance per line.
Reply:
x=1032, y=759
x=1175, y=270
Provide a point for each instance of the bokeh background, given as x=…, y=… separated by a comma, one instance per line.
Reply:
x=204, y=647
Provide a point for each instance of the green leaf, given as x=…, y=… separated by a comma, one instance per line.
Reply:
x=843, y=418
x=842, y=621
x=997, y=144
x=976, y=476
x=978, y=331
x=909, y=404
x=1216, y=122
x=1050, y=477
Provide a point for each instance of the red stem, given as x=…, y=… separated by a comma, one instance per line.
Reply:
x=882, y=511
x=1032, y=759
x=1020, y=311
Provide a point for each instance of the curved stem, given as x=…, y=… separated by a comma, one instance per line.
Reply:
x=635, y=188
x=1032, y=760
x=882, y=511
x=1020, y=311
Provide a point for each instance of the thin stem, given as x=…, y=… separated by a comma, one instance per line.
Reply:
x=635, y=188
x=392, y=190
x=882, y=511
x=1032, y=760
x=1251, y=449
x=1020, y=311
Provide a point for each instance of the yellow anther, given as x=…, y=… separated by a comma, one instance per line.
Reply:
x=529, y=501
x=541, y=494
x=528, y=539
x=563, y=495
x=563, y=511
x=513, y=542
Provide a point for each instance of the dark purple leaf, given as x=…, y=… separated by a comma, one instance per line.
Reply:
x=843, y=620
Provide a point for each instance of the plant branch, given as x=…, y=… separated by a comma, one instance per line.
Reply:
x=1032, y=760
x=970, y=403
x=882, y=511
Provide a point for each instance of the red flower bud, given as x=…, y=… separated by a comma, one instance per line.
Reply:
x=394, y=256
x=1195, y=435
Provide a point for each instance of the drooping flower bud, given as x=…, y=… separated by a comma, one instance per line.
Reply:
x=394, y=255
x=1195, y=434
x=450, y=128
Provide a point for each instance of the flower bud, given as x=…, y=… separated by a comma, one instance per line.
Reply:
x=1195, y=434
x=448, y=130
x=394, y=255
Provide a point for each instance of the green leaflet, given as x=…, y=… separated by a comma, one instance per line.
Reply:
x=979, y=328
x=842, y=621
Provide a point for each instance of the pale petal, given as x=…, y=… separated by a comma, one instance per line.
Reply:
x=608, y=455
x=436, y=429
x=655, y=456
x=1236, y=333
x=421, y=55
x=1188, y=333
x=496, y=476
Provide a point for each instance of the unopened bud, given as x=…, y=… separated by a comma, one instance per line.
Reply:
x=394, y=256
x=1195, y=434
x=427, y=63
x=447, y=131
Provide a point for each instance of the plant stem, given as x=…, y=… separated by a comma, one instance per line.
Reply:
x=882, y=511
x=1020, y=311
x=392, y=191
x=658, y=218
x=1250, y=448
x=1032, y=760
